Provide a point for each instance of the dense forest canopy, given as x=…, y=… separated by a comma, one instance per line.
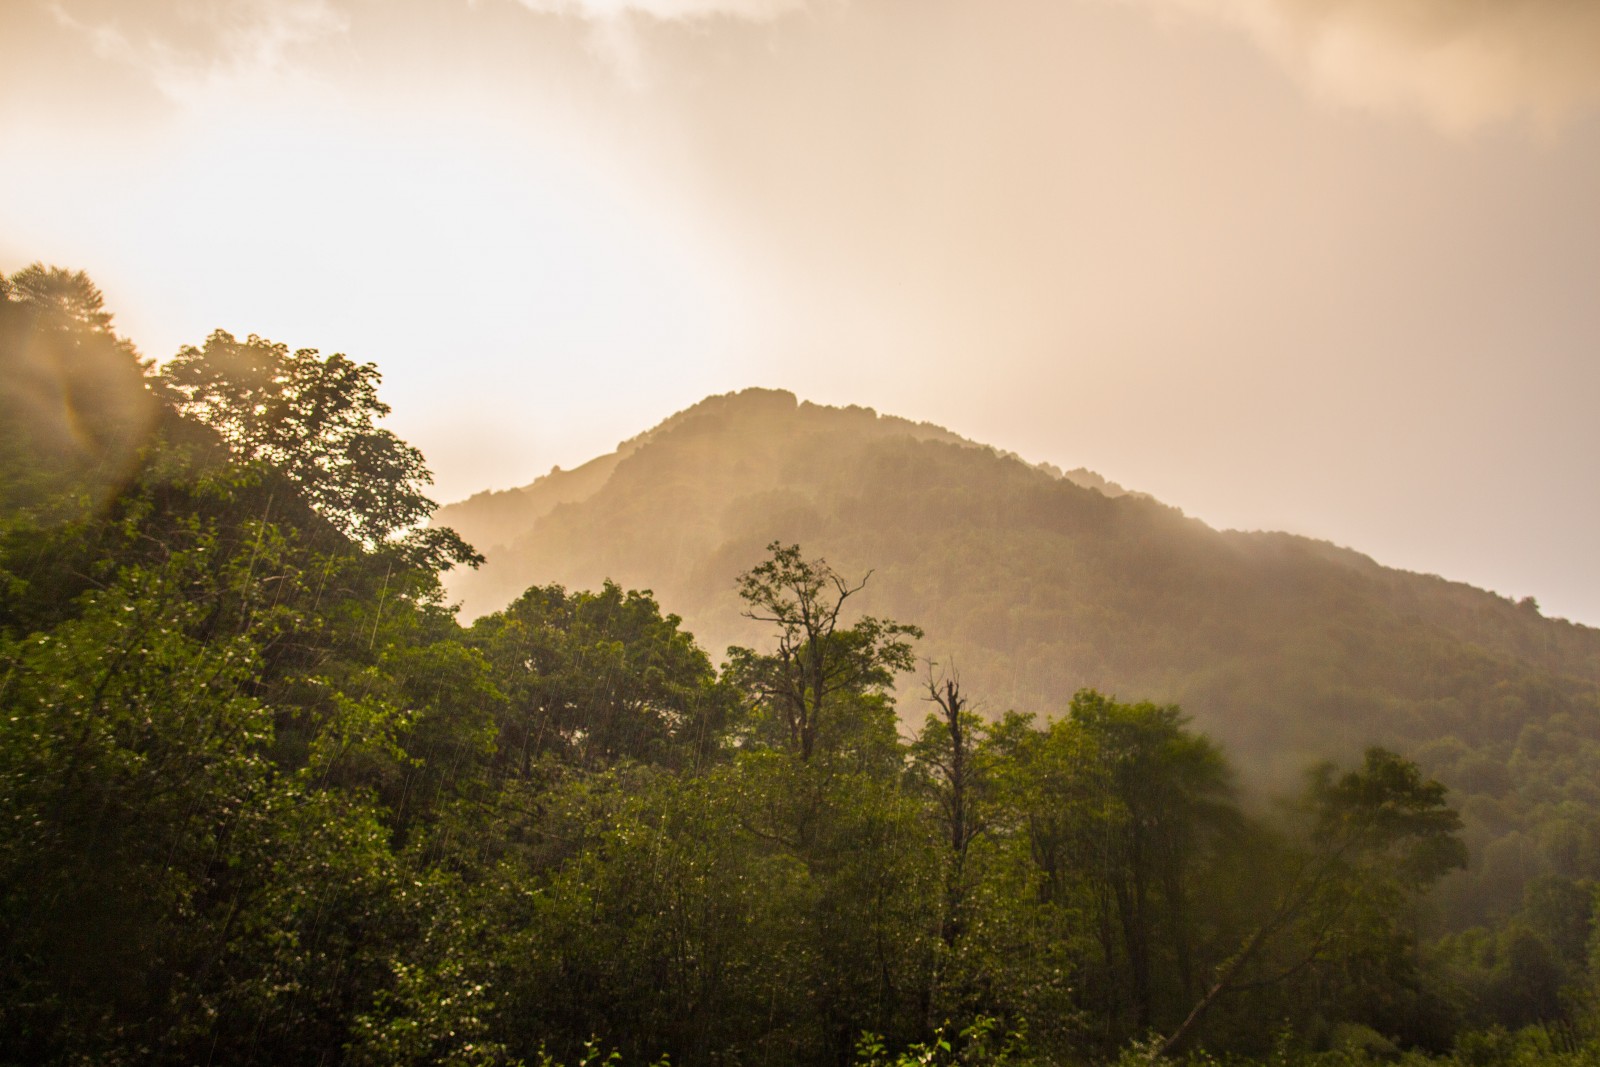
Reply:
x=267, y=800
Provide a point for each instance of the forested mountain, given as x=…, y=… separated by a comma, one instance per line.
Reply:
x=1036, y=584
x=264, y=799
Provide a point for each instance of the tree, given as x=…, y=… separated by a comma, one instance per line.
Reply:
x=945, y=762
x=133, y=764
x=74, y=405
x=1167, y=792
x=596, y=677
x=313, y=421
x=819, y=666
x=948, y=768
x=1373, y=839
x=64, y=294
x=232, y=712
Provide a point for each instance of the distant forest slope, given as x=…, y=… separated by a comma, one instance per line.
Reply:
x=1285, y=648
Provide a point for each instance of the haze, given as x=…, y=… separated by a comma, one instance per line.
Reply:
x=1330, y=267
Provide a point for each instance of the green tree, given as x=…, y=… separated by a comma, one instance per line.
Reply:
x=594, y=678
x=1167, y=795
x=1370, y=841
x=313, y=421
x=1029, y=944
x=824, y=682
x=74, y=407
x=663, y=926
x=235, y=722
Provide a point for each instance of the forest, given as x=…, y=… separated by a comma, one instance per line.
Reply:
x=265, y=799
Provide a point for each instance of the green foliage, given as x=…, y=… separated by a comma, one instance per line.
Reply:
x=263, y=800
x=1388, y=815
x=824, y=687
x=130, y=758
x=313, y=421
x=667, y=926
x=981, y=1043
x=598, y=677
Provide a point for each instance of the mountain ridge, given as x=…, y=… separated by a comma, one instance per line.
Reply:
x=496, y=517
x=495, y=520
x=1036, y=583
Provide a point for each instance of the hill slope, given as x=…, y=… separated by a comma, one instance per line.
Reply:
x=1286, y=649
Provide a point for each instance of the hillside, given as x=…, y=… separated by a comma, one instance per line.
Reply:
x=1034, y=582
x=1285, y=648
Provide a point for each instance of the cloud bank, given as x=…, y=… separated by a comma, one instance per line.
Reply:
x=1463, y=64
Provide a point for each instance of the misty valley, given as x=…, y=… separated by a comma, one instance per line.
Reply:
x=784, y=735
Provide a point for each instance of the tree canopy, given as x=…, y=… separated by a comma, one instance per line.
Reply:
x=265, y=800
x=313, y=421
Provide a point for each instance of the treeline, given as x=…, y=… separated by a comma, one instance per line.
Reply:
x=264, y=800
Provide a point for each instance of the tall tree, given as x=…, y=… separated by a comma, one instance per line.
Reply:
x=947, y=768
x=946, y=762
x=314, y=421
x=1167, y=793
x=819, y=665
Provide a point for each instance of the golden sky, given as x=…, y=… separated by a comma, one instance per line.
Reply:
x=1330, y=266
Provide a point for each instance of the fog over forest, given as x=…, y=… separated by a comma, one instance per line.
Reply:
x=799, y=533
x=1324, y=268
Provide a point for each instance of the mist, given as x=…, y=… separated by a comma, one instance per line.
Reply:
x=1321, y=267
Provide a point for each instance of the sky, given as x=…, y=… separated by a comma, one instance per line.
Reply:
x=1328, y=266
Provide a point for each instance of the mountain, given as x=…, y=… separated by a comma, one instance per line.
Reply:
x=1035, y=583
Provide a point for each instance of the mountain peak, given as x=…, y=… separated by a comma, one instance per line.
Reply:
x=760, y=425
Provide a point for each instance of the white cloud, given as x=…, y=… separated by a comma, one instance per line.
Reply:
x=1463, y=64
x=196, y=52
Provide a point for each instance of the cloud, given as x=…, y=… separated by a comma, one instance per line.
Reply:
x=195, y=52
x=670, y=10
x=1463, y=64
